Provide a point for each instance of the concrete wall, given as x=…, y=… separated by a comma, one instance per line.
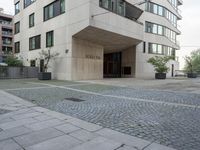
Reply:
x=87, y=60
x=129, y=60
x=18, y=72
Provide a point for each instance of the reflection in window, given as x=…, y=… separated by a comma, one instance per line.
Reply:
x=162, y=11
x=161, y=30
x=17, y=9
x=54, y=9
x=161, y=49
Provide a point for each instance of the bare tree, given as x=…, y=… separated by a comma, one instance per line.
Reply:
x=47, y=56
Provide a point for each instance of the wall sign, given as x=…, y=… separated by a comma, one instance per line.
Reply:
x=93, y=57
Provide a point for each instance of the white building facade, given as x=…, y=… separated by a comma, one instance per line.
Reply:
x=97, y=38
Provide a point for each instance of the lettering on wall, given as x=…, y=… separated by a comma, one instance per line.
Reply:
x=92, y=57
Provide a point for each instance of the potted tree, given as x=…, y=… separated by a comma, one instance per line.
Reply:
x=190, y=67
x=46, y=56
x=160, y=65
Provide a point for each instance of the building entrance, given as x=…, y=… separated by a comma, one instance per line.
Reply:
x=112, y=65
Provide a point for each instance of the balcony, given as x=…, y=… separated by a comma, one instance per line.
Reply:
x=121, y=8
x=7, y=43
x=6, y=23
x=114, y=28
x=7, y=34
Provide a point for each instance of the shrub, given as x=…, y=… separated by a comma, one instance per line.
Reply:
x=192, y=62
x=13, y=61
x=160, y=63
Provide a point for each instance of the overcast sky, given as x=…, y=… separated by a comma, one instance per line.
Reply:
x=189, y=26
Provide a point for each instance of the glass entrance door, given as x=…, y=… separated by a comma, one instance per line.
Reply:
x=112, y=65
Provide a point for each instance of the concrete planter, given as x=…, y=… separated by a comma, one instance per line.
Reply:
x=192, y=75
x=161, y=76
x=44, y=76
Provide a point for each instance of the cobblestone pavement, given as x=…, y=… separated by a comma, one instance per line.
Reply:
x=29, y=127
x=165, y=117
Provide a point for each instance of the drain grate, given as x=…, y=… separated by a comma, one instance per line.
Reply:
x=74, y=99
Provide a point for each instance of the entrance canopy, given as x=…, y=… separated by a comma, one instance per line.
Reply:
x=109, y=40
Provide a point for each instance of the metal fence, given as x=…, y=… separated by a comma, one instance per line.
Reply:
x=18, y=72
x=183, y=73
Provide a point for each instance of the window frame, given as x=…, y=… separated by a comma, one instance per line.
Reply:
x=17, y=4
x=55, y=12
x=35, y=39
x=32, y=16
x=165, y=50
x=17, y=27
x=51, y=33
x=28, y=4
x=17, y=47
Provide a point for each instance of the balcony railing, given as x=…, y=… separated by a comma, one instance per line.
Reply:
x=121, y=8
x=5, y=22
x=7, y=43
x=7, y=33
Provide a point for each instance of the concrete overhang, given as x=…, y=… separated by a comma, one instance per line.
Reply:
x=109, y=40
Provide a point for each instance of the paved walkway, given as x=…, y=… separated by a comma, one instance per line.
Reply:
x=25, y=126
x=181, y=84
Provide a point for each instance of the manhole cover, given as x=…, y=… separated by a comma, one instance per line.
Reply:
x=74, y=99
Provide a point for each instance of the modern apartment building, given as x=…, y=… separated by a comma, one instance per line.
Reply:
x=97, y=38
x=6, y=35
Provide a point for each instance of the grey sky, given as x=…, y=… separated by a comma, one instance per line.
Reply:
x=189, y=26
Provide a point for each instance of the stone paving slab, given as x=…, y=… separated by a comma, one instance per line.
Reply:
x=36, y=128
x=84, y=135
x=64, y=142
x=85, y=125
x=99, y=143
x=155, y=146
x=9, y=145
x=14, y=132
x=37, y=137
x=43, y=117
x=44, y=124
x=17, y=123
x=127, y=148
x=6, y=120
x=67, y=128
x=27, y=115
x=3, y=111
x=126, y=139
x=19, y=111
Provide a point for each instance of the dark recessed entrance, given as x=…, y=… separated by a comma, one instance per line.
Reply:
x=112, y=65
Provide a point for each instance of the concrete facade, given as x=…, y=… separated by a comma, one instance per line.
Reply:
x=6, y=35
x=85, y=32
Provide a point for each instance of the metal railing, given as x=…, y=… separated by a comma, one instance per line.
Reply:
x=7, y=33
x=122, y=8
x=18, y=72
